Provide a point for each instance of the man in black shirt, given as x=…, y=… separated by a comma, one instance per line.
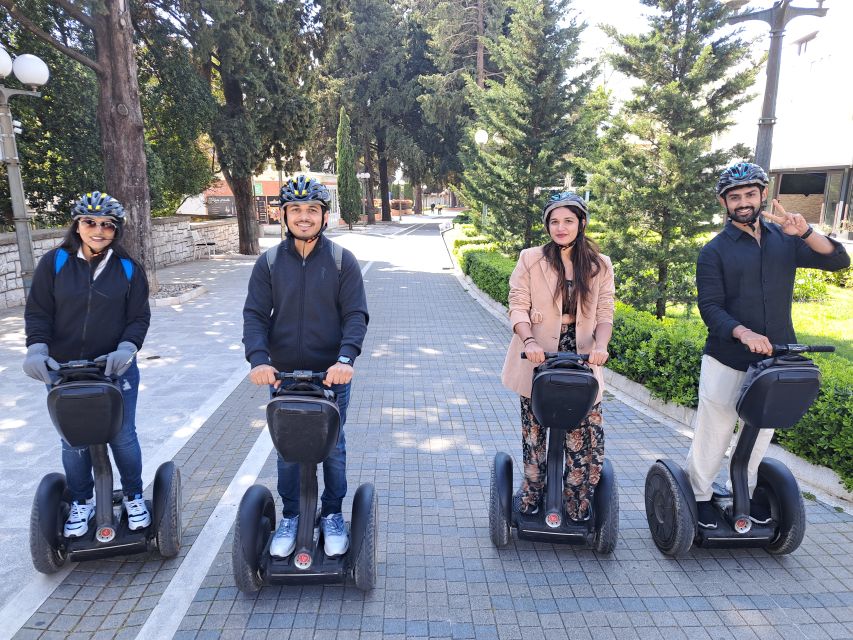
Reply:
x=745, y=282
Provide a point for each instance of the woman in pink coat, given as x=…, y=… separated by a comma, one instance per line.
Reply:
x=560, y=299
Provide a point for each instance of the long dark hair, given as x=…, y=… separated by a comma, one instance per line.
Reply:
x=585, y=262
x=71, y=241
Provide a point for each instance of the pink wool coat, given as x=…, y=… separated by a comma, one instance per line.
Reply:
x=531, y=299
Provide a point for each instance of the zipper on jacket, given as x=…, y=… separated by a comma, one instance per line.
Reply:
x=88, y=309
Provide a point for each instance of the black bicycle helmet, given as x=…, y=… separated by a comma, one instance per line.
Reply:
x=565, y=199
x=305, y=189
x=98, y=204
x=741, y=174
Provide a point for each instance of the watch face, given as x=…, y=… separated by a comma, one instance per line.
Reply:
x=345, y=360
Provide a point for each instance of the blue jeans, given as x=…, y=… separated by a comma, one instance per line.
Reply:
x=334, y=470
x=125, y=449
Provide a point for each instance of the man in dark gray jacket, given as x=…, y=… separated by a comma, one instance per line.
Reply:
x=306, y=309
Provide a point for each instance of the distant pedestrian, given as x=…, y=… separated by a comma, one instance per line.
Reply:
x=432, y=208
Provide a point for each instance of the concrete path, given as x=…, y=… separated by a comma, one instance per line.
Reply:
x=426, y=417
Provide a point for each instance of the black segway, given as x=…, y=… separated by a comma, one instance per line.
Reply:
x=776, y=393
x=87, y=409
x=564, y=390
x=304, y=423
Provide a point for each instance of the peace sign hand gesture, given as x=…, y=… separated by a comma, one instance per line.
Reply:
x=793, y=224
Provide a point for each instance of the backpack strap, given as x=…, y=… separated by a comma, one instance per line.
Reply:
x=127, y=263
x=59, y=260
x=61, y=257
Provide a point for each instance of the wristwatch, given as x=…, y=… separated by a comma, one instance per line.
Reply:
x=345, y=360
x=808, y=232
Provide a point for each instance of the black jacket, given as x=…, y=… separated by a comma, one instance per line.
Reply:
x=740, y=282
x=81, y=319
x=307, y=314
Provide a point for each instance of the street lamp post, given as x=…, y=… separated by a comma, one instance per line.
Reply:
x=778, y=16
x=481, y=137
x=33, y=72
x=362, y=180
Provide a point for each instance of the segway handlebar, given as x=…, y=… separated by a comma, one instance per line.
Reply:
x=301, y=375
x=787, y=349
x=563, y=355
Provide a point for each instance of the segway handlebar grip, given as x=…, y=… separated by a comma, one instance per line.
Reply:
x=301, y=375
x=784, y=349
x=566, y=355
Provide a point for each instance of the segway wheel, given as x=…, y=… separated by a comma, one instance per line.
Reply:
x=781, y=490
x=364, y=565
x=607, y=518
x=46, y=518
x=167, y=491
x=670, y=520
x=499, y=495
x=253, y=526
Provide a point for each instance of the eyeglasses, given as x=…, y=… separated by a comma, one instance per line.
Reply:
x=103, y=224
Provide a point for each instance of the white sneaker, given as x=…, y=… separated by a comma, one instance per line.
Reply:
x=137, y=513
x=336, y=540
x=284, y=540
x=77, y=523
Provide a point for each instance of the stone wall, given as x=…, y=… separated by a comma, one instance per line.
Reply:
x=172, y=239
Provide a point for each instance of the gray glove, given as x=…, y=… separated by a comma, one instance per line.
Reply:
x=119, y=360
x=37, y=361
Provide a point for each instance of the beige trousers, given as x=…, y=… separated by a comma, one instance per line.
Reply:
x=719, y=387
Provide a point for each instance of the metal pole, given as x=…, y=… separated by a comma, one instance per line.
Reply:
x=777, y=17
x=9, y=155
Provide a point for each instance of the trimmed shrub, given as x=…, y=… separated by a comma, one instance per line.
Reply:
x=470, y=241
x=490, y=271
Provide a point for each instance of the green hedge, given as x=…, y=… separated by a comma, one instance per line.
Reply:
x=810, y=285
x=490, y=270
x=665, y=356
x=463, y=241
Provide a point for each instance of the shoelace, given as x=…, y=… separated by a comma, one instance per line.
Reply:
x=334, y=526
x=79, y=512
x=289, y=527
x=136, y=507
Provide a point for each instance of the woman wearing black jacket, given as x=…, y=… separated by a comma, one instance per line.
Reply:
x=89, y=301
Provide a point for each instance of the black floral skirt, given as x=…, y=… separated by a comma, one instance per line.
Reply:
x=584, y=448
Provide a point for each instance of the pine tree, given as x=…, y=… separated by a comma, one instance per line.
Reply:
x=528, y=113
x=658, y=170
x=349, y=191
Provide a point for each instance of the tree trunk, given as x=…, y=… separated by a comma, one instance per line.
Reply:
x=122, y=132
x=383, y=174
x=368, y=167
x=419, y=196
x=660, y=303
x=240, y=181
x=247, y=223
x=481, y=64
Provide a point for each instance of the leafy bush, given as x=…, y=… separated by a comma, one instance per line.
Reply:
x=490, y=271
x=470, y=241
x=810, y=285
x=843, y=278
x=462, y=218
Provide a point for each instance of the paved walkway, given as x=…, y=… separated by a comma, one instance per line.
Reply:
x=426, y=417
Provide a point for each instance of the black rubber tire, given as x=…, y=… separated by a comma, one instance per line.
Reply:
x=790, y=537
x=498, y=520
x=364, y=567
x=607, y=520
x=169, y=532
x=47, y=557
x=259, y=501
x=668, y=514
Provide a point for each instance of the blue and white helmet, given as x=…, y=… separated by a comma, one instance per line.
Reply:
x=565, y=199
x=742, y=174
